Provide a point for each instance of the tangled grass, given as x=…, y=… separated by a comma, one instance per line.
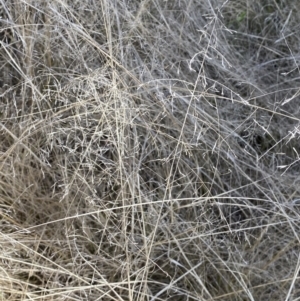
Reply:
x=149, y=150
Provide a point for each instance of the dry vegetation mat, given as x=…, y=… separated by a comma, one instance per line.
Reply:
x=149, y=150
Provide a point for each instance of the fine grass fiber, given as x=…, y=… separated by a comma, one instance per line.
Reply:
x=149, y=150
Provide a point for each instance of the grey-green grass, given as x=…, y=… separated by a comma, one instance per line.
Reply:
x=149, y=150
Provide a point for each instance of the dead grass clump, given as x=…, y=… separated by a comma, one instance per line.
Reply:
x=149, y=150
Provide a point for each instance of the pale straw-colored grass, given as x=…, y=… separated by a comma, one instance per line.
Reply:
x=149, y=150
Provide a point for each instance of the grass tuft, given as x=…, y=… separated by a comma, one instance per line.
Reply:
x=149, y=150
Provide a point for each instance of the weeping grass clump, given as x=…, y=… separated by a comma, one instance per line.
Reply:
x=149, y=150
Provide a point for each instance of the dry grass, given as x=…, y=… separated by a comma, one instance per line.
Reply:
x=149, y=150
